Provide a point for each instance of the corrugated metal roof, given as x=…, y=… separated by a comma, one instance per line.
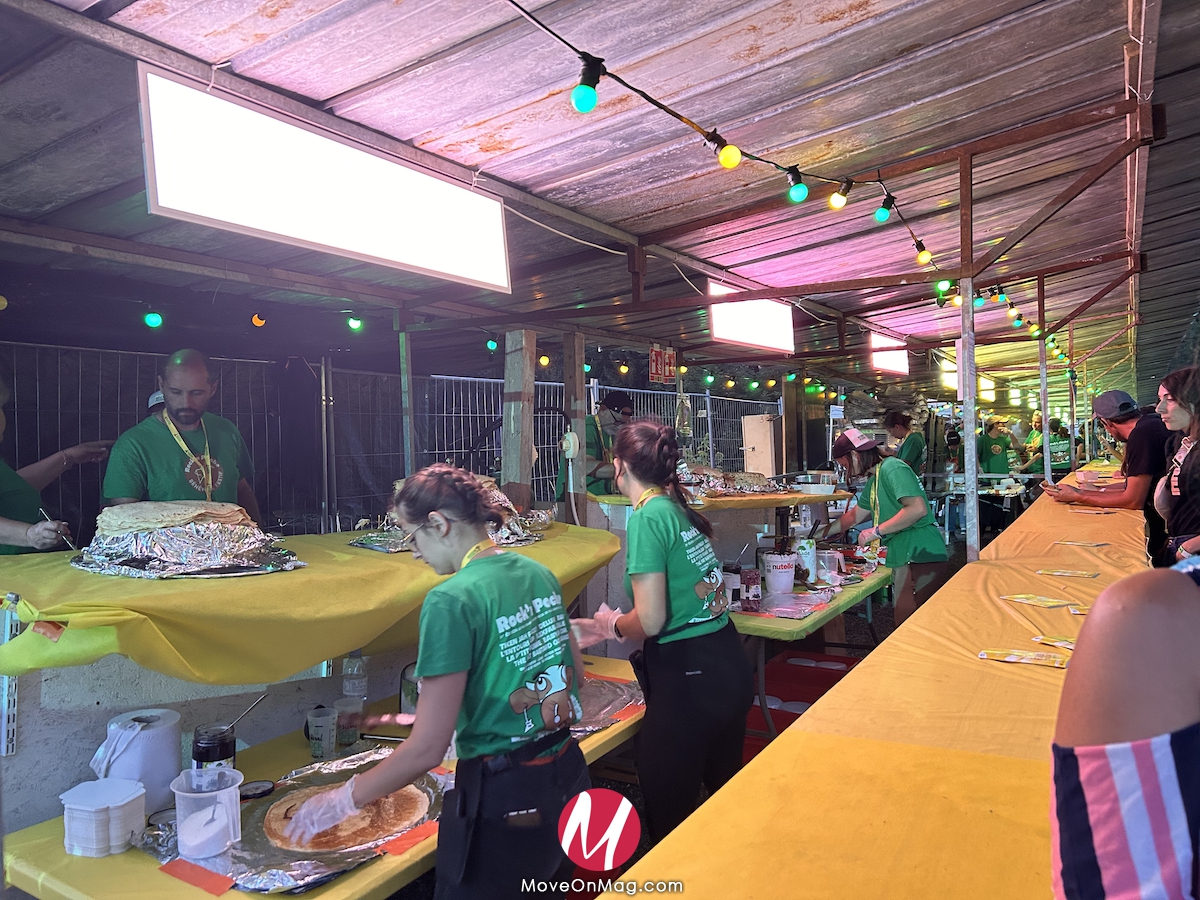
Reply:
x=837, y=88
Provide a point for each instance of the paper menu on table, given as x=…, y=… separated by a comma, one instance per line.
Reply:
x=1036, y=600
x=1031, y=657
x=1068, y=573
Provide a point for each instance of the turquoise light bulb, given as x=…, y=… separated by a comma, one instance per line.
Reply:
x=584, y=98
x=798, y=193
x=153, y=319
x=882, y=214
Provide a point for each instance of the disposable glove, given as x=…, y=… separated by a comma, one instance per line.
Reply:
x=603, y=627
x=320, y=812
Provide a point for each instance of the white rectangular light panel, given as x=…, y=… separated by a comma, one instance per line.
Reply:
x=888, y=360
x=765, y=324
x=218, y=160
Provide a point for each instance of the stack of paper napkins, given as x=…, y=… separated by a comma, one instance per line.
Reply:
x=103, y=817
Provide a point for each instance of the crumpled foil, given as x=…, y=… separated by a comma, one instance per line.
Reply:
x=255, y=864
x=200, y=550
x=385, y=540
x=601, y=701
x=517, y=531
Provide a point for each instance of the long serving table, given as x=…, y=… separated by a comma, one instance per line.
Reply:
x=36, y=862
x=762, y=627
x=925, y=771
x=256, y=629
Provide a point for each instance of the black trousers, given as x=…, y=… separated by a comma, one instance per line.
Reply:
x=497, y=851
x=701, y=689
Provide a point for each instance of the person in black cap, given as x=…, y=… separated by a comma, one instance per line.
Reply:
x=616, y=409
x=1145, y=438
x=894, y=499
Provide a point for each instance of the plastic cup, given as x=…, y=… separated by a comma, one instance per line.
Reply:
x=322, y=732
x=207, y=811
x=349, y=710
x=780, y=572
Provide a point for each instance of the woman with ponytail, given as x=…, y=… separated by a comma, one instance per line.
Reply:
x=697, y=679
x=497, y=663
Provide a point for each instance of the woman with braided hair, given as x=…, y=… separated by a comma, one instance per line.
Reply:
x=697, y=679
x=496, y=661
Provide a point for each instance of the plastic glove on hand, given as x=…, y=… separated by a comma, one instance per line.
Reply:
x=321, y=812
x=589, y=632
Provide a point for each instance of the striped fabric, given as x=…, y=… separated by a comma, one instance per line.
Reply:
x=1125, y=819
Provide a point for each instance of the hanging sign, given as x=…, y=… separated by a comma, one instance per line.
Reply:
x=662, y=366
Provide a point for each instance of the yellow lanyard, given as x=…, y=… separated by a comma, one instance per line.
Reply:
x=205, y=466
x=485, y=544
x=875, y=503
x=647, y=495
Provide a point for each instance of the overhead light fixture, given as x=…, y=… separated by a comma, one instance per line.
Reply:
x=885, y=359
x=837, y=199
x=727, y=154
x=583, y=95
x=885, y=209
x=227, y=162
x=753, y=323
x=797, y=189
x=924, y=257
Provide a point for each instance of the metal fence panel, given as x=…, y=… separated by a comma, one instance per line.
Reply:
x=368, y=446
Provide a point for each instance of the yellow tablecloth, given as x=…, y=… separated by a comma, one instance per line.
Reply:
x=252, y=629
x=739, y=501
x=925, y=771
x=35, y=861
x=794, y=629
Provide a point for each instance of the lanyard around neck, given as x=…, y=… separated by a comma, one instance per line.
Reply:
x=205, y=466
x=486, y=544
x=647, y=495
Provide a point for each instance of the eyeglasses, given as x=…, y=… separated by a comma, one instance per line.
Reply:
x=407, y=537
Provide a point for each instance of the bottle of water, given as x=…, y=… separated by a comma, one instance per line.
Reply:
x=354, y=675
x=806, y=520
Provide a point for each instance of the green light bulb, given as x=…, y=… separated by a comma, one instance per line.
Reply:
x=754, y=385
x=587, y=367
x=943, y=285
x=153, y=319
x=882, y=214
x=710, y=378
x=798, y=193
x=791, y=376
x=492, y=345
x=354, y=324
x=584, y=98
x=979, y=300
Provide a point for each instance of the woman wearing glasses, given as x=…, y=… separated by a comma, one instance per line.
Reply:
x=497, y=662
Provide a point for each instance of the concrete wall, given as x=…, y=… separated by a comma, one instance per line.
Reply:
x=62, y=715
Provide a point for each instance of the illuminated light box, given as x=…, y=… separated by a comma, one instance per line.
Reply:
x=765, y=324
x=888, y=360
x=219, y=160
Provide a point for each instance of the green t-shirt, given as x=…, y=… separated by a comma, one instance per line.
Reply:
x=921, y=542
x=912, y=451
x=19, y=501
x=501, y=620
x=145, y=463
x=1033, y=443
x=993, y=454
x=661, y=539
x=1060, y=453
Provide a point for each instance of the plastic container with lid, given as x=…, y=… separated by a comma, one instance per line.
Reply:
x=207, y=811
x=102, y=817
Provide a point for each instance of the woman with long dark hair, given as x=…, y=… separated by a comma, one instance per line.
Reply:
x=1177, y=497
x=496, y=661
x=698, y=680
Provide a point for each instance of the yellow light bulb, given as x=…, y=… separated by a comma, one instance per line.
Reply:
x=836, y=200
x=1012, y=312
x=682, y=370
x=729, y=383
x=543, y=361
x=770, y=382
x=623, y=369
x=924, y=258
x=729, y=156
x=258, y=321
x=957, y=301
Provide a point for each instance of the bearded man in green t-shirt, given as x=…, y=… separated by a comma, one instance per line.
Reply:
x=183, y=452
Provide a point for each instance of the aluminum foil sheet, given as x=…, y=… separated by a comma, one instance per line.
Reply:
x=601, y=701
x=255, y=864
x=208, y=549
x=385, y=540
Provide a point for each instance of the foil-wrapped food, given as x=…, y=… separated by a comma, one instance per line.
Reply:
x=178, y=539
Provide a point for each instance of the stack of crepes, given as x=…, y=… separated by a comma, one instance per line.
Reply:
x=180, y=537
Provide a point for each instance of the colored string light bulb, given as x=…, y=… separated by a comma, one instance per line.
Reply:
x=727, y=154
x=1018, y=321
x=709, y=379
x=1012, y=311
x=587, y=367
x=838, y=198
x=797, y=189
x=682, y=370
x=924, y=257
x=943, y=285
x=354, y=323
x=771, y=382
x=791, y=376
x=543, y=360
x=583, y=96
x=492, y=345
x=623, y=368
x=729, y=382
x=885, y=209
x=957, y=301
x=754, y=385
x=257, y=321
x=153, y=319
x=979, y=300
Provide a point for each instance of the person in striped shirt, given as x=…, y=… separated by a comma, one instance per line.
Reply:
x=1125, y=809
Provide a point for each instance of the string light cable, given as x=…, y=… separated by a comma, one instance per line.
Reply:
x=569, y=237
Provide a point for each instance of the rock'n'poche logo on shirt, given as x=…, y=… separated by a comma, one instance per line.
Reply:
x=194, y=473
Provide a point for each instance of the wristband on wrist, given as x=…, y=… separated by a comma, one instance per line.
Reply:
x=617, y=631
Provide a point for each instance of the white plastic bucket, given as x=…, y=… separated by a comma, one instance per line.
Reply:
x=779, y=572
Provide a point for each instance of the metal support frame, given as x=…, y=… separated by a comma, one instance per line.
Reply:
x=8, y=684
x=1044, y=381
x=966, y=365
x=407, y=404
x=325, y=401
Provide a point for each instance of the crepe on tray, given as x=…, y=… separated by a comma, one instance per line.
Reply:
x=377, y=820
x=148, y=515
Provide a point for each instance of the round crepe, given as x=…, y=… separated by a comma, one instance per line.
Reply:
x=150, y=515
x=377, y=820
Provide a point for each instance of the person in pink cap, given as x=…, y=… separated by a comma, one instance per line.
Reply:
x=901, y=519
